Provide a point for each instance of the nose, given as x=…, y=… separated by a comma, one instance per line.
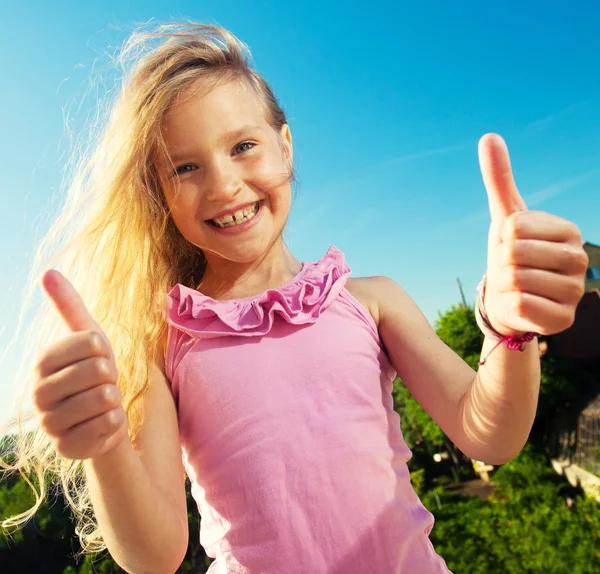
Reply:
x=223, y=182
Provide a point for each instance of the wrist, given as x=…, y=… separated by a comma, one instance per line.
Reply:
x=514, y=341
x=120, y=451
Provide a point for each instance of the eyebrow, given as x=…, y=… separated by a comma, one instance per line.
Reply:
x=240, y=133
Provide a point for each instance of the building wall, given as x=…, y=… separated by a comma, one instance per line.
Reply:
x=582, y=339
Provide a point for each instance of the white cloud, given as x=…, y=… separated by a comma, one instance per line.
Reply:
x=422, y=154
x=544, y=122
x=531, y=200
x=542, y=195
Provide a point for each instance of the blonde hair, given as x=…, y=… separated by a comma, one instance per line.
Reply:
x=115, y=241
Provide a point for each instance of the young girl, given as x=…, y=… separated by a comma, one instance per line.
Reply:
x=192, y=330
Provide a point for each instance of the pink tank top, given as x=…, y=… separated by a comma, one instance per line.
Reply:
x=288, y=432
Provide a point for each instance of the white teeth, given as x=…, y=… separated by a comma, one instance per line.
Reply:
x=238, y=217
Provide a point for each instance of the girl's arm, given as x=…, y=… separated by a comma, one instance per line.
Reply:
x=137, y=491
x=535, y=279
x=488, y=414
x=138, y=494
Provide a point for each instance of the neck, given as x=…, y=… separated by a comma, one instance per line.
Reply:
x=225, y=279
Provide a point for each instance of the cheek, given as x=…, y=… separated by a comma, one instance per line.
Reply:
x=183, y=203
x=273, y=186
x=280, y=199
x=185, y=216
x=271, y=172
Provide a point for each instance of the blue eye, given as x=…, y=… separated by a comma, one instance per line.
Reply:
x=184, y=169
x=242, y=147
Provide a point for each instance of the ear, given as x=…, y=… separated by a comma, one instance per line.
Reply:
x=286, y=138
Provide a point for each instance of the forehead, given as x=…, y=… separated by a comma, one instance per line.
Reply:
x=208, y=110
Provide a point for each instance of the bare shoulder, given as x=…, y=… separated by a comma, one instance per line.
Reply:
x=376, y=294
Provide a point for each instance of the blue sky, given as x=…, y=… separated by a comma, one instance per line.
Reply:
x=386, y=102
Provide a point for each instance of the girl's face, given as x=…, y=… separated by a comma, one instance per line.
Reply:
x=233, y=171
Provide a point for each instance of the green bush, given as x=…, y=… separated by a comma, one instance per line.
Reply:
x=526, y=526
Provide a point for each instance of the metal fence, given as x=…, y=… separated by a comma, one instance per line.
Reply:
x=587, y=450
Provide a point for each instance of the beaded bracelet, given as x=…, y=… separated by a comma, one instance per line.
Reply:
x=512, y=343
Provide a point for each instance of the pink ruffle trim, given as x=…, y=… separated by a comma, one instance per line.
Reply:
x=300, y=302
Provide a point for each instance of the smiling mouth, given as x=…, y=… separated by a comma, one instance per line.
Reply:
x=236, y=218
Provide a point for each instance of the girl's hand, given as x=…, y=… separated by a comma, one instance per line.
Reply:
x=536, y=262
x=76, y=399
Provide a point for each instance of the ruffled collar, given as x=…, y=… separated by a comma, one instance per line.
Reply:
x=299, y=301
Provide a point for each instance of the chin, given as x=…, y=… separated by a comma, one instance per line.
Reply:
x=246, y=253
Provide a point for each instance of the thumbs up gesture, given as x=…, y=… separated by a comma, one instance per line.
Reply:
x=76, y=399
x=536, y=263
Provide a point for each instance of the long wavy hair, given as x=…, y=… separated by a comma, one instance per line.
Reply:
x=116, y=242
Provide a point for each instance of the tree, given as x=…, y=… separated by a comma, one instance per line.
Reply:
x=45, y=543
x=418, y=428
x=459, y=330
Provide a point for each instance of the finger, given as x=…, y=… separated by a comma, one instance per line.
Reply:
x=72, y=349
x=73, y=380
x=80, y=408
x=503, y=195
x=541, y=225
x=541, y=283
x=538, y=314
x=537, y=254
x=68, y=303
x=94, y=437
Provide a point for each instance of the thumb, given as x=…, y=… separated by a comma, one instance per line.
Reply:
x=503, y=195
x=68, y=303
